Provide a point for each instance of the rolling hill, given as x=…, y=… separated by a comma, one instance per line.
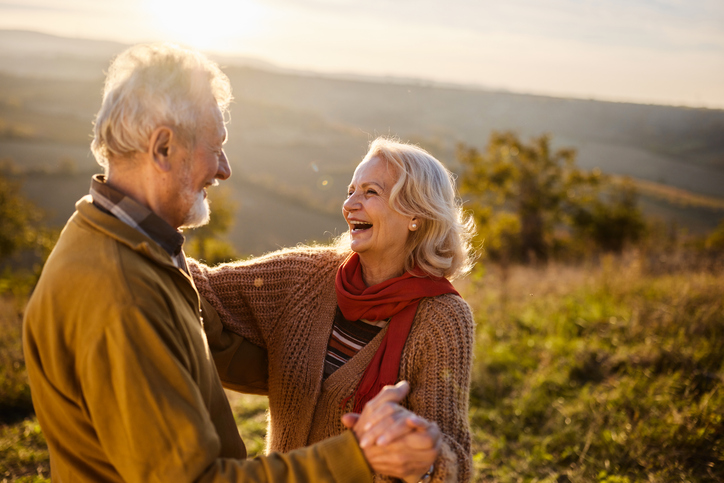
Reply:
x=295, y=137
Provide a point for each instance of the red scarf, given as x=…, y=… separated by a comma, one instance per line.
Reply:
x=397, y=298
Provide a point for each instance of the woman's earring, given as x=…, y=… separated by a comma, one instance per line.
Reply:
x=414, y=225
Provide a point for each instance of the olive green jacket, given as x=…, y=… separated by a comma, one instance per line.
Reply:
x=121, y=374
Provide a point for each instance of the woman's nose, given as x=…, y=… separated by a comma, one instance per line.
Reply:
x=349, y=204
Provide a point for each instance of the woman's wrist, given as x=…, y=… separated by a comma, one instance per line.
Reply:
x=425, y=478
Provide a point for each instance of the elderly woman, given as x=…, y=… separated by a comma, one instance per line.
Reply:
x=341, y=322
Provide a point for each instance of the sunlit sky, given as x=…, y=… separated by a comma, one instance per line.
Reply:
x=649, y=51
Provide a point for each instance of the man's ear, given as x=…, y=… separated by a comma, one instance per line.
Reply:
x=160, y=147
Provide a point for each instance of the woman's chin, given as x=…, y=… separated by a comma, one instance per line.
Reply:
x=357, y=246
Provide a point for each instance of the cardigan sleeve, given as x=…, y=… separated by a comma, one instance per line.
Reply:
x=251, y=296
x=437, y=362
x=241, y=365
x=248, y=295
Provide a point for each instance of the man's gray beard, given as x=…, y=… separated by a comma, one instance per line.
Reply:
x=199, y=213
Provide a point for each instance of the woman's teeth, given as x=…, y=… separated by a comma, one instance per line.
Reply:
x=360, y=225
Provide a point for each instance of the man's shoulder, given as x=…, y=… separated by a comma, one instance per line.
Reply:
x=84, y=251
x=103, y=287
x=91, y=265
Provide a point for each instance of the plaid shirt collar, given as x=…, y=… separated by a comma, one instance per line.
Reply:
x=139, y=217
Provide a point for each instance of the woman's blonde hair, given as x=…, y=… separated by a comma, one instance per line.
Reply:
x=425, y=189
x=150, y=85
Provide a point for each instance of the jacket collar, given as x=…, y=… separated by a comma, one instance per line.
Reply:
x=134, y=214
x=113, y=227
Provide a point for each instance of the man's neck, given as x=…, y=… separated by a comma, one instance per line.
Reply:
x=130, y=181
x=146, y=187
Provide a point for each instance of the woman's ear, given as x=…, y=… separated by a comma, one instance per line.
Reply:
x=160, y=146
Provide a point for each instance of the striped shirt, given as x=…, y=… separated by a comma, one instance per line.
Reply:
x=347, y=339
x=137, y=216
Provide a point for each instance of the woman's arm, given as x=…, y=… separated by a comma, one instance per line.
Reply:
x=250, y=296
x=243, y=304
x=241, y=365
x=437, y=362
x=227, y=289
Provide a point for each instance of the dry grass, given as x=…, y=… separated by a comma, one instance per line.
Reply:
x=23, y=451
x=606, y=372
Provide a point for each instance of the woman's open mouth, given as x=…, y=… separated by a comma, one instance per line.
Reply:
x=358, y=226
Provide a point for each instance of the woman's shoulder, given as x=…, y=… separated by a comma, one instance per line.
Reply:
x=319, y=253
x=442, y=337
x=300, y=258
x=449, y=303
x=445, y=311
x=315, y=258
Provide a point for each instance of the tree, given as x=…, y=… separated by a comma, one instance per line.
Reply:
x=20, y=223
x=208, y=242
x=715, y=240
x=21, y=233
x=527, y=198
x=612, y=224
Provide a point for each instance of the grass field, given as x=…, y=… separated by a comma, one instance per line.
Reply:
x=603, y=373
x=611, y=371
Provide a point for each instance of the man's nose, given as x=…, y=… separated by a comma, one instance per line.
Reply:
x=224, y=170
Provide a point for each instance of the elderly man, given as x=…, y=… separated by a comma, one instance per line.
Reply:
x=122, y=378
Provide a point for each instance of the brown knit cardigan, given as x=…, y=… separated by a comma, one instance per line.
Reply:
x=286, y=301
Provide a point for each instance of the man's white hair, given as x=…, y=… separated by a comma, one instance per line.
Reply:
x=152, y=85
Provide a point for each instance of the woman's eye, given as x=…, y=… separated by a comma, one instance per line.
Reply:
x=371, y=192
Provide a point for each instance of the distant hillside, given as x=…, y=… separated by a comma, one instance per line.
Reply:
x=294, y=138
x=678, y=146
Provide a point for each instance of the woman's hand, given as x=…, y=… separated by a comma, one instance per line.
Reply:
x=394, y=440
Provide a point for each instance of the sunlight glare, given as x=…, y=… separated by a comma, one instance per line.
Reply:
x=208, y=24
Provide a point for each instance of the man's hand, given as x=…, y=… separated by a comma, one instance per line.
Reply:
x=395, y=441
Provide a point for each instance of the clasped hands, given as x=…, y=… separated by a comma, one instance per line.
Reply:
x=395, y=441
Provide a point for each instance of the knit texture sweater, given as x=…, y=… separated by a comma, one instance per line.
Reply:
x=286, y=301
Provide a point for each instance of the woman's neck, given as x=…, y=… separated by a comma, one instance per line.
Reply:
x=374, y=273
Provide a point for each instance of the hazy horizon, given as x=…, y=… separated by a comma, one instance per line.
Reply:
x=667, y=52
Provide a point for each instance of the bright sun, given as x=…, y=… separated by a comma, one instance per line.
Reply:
x=207, y=24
